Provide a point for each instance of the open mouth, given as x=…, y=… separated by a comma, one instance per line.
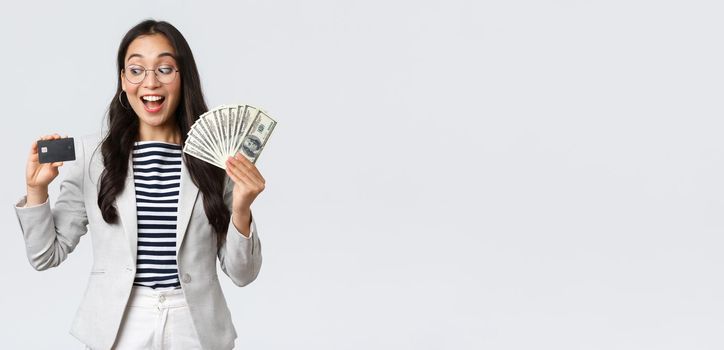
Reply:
x=152, y=103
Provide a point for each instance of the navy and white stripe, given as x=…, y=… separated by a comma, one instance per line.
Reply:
x=157, y=176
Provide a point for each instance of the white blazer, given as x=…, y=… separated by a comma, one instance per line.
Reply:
x=52, y=233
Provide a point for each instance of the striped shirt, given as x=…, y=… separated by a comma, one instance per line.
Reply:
x=157, y=176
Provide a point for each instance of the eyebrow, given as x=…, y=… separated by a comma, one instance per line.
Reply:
x=162, y=54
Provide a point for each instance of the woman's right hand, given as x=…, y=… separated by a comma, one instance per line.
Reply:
x=39, y=176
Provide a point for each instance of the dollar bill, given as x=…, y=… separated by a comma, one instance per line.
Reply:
x=247, y=113
x=257, y=136
x=208, y=125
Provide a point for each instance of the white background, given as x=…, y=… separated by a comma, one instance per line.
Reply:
x=444, y=175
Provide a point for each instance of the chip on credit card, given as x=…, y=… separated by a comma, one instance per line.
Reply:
x=58, y=150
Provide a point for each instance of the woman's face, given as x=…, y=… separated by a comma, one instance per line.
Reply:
x=153, y=101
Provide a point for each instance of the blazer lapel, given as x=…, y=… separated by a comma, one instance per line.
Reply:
x=127, y=211
x=188, y=192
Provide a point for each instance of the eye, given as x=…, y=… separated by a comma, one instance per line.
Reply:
x=165, y=70
x=135, y=70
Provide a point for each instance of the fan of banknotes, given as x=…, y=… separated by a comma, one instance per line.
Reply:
x=226, y=130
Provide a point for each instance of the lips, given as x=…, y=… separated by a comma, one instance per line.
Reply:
x=152, y=103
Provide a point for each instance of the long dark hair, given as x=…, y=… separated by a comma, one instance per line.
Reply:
x=123, y=132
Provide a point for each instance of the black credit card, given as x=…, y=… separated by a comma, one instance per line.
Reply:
x=58, y=150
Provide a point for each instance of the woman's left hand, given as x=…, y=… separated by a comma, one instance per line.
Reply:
x=248, y=183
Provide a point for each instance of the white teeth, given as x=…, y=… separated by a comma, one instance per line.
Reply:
x=151, y=98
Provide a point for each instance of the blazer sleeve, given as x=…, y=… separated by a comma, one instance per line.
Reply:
x=240, y=257
x=51, y=234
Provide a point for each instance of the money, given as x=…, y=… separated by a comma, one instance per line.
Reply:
x=227, y=129
x=257, y=136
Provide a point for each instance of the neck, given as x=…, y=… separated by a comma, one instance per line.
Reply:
x=168, y=134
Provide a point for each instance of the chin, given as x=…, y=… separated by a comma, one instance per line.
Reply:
x=155, y=120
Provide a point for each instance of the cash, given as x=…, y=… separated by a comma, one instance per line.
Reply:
x=227, y=129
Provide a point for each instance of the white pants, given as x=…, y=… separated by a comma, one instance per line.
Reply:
x=157, y=320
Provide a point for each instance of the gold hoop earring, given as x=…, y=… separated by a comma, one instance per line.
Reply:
x=121, y=100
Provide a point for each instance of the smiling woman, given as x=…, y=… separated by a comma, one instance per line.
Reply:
x=177, y=214
x=152, y=96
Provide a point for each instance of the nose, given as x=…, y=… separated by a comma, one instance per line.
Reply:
x=150, y=80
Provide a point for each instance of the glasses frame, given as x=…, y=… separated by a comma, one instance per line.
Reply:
x=145, y=74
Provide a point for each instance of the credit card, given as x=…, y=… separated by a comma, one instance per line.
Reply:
x=59, y=150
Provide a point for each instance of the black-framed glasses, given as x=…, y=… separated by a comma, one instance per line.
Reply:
x=135, y=74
